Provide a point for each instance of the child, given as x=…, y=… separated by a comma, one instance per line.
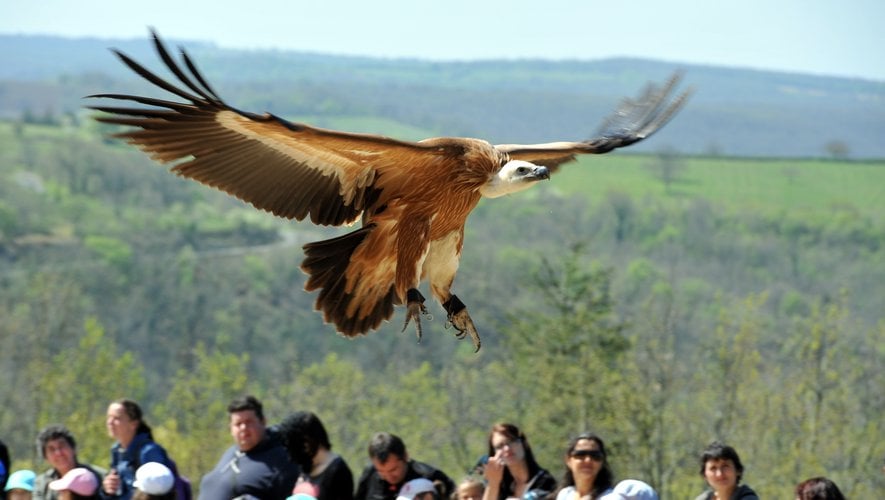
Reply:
x=20, y=485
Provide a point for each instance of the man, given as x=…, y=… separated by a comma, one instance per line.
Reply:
x=391, y=468
x=256, y=465
x=59, y=449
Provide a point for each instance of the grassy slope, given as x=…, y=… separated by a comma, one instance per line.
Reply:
x=810, y=186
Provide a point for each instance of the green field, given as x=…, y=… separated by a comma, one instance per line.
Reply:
x=809, y=185
x=812, y=186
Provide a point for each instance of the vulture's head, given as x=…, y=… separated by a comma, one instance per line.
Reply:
x=514, y=176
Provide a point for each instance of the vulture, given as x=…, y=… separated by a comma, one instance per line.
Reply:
x=412, y=199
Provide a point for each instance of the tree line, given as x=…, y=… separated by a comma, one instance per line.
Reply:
x=661, y=323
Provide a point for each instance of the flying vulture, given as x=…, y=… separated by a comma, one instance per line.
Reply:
x=412, y=198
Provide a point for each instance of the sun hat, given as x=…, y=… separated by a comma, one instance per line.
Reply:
x=21, y=480
x=79, y=480
x=154, y=478
x=304, y=490
x=415, y=487
x=631, y=489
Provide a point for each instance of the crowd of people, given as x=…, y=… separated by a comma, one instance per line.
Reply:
x=294, y=461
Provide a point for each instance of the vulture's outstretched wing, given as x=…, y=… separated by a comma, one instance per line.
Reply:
x=289, y=169
x=632, y=121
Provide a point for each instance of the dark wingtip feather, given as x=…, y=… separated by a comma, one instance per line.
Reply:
x=635, y=120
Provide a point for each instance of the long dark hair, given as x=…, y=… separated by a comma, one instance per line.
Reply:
x=605, y=478
x=512, y=432
x=133, y=411
x=303, y=434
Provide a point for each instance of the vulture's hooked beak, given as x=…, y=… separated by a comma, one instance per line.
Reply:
x=541, y=173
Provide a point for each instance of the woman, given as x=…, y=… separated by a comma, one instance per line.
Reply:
x=308, y=446
x=818, y=488
x=721, y=467
x=587, y=473
x=135, y=446
x=512, y=471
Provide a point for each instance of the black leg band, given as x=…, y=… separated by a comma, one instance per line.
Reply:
x=454, y=305
x=413, y=295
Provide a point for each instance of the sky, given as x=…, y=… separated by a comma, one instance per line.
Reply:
x=823, y=37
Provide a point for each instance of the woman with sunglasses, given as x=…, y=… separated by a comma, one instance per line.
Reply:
x=512, y=471
x=587, y=473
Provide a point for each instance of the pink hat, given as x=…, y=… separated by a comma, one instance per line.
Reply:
x=306, y=488
x=81, y=481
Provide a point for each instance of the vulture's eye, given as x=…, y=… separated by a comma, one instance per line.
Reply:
x=522, y=170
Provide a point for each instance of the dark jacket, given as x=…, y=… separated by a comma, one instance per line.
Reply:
x=743, y=492
x=140, y=451
x=372, y=487
x=264, y=472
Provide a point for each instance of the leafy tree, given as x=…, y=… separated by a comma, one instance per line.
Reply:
x=563, y=357
x=80, y=382
x=192, y=421
x=667, y=167
x=837, y=149
x=653, y=433
x=335, y=389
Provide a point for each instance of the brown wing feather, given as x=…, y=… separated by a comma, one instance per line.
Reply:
x=291, y=170
x=631, y=122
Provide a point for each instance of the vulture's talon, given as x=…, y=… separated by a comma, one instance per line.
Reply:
x=461, y=321
x=464, y=326
x=414, y=310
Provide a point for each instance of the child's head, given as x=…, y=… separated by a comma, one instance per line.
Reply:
x=20, y=485
x=154, y=479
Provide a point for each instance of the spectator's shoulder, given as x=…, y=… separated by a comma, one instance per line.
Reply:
x=367, y=473
x=744, y=492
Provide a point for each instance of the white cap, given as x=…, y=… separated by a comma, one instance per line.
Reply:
x=631, y=489
x=415, y=487
x=154, y=478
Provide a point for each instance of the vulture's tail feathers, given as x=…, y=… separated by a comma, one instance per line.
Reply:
x=326, y=264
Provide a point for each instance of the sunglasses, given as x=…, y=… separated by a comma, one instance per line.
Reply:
x=596, y=455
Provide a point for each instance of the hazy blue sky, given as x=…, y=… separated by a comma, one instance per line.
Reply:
x=832, y=37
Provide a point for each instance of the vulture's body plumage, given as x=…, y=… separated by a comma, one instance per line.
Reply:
x=412, y=198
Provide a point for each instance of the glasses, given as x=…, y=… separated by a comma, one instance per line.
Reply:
x=504, y=444
x=596, y=455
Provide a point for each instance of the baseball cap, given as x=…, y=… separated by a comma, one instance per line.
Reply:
x=79, y=480
x=154, y=478
x=415, y=487
x=21, y=480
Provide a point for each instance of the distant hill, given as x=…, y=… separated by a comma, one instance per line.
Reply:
x=734, y=111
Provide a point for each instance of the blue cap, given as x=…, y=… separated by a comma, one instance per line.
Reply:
x=21, y=480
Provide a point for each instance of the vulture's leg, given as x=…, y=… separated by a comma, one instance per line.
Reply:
x=414, y=309
x=460, y=319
